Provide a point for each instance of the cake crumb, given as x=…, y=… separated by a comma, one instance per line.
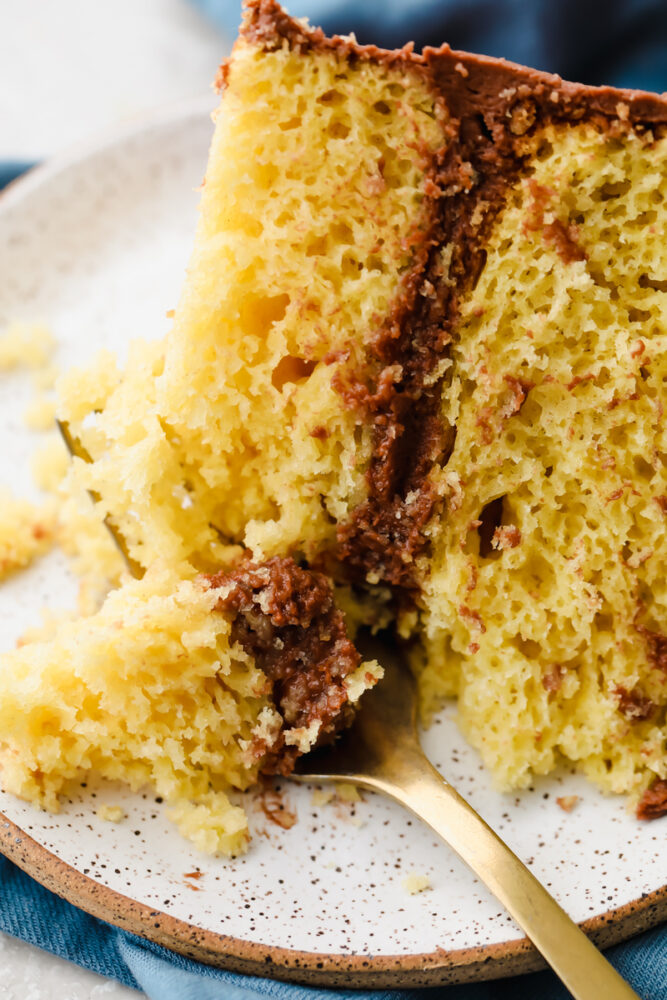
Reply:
x=415, y=883
x=322, y=796
x=46, y=629
x=45, y=377
x=362, y=679
x=303, y=737
x=40, y=414
x=25, y=345
x=507, y=536
x=356, y=821
x=26, y=531
x=568, y=802
x=112, y=814
x=638, y=558
x=49, y=464
x=347, y=792
x=653, y=802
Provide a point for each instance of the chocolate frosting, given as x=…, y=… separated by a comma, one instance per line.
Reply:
x=285, y=618
x=653, y=803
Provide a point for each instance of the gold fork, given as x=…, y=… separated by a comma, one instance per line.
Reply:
x=381, y=751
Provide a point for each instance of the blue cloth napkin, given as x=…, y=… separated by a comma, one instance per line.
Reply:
x=11, y=169
x=622, y=42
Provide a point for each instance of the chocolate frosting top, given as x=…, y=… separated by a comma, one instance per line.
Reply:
x=486, y=84
x=496, y=89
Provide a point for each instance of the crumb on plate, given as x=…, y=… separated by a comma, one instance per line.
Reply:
x=414, y=883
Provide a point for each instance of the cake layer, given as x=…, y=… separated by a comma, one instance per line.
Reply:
x=420, y=344
x=317, y=204
x=543, y=595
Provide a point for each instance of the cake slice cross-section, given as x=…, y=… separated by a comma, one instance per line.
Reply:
x=420, y=348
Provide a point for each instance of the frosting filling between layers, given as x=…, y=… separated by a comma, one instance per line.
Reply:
x=286, y=619
x=497, y=110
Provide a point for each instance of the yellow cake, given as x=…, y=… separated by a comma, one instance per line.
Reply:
x=192, y=687
x=420, y=348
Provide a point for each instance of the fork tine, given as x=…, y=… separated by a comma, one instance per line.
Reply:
x=77, y=450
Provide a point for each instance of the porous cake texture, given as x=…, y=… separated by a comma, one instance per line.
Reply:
x=147, y=691
x=317, y=199
x=545, y=582
x=167, y=687
x=420, y=347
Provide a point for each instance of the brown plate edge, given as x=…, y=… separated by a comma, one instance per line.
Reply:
x=352, y=971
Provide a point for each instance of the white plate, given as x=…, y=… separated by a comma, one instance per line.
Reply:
x=96, y=246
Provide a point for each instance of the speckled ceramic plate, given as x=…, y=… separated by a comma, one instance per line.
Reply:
x=96, y=246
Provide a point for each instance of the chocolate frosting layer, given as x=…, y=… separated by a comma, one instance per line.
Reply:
x=286, y=619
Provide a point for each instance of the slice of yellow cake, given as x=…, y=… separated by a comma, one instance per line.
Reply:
x=420, y=347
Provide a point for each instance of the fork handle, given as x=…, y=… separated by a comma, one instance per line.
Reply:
x=409, y=777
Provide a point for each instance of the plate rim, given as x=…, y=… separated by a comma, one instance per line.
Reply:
x=42, y=171
x=225, y=951
x=442, y=966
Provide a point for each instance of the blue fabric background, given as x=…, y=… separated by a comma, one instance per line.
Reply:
x=622, y=42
